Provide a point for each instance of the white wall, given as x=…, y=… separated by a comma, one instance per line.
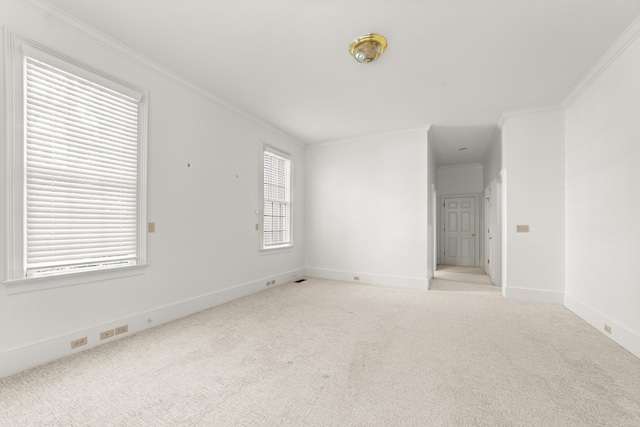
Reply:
x=205, y=249
x=460, y=179
x=367, y=210
x=533, y=156
x=603, y=198
x=492, y=161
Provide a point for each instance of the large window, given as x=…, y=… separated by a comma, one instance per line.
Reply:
x=276, y=223
x=77, y=160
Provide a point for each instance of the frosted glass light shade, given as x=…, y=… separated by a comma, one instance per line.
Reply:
x=368, y=48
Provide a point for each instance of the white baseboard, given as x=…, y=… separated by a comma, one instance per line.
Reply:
x=619, y=333
x=19, y=359
x=534, y=295
x=372, y=279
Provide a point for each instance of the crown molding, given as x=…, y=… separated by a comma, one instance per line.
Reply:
x=69, y=22
x=529, y=111
x=501, y=121
x=369, y=136
x=616, y=49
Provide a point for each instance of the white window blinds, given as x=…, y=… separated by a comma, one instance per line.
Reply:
x=277, y=201
x=81, y=159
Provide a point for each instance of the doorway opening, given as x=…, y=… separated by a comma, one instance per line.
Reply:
x=467, y=219
x=469, y=240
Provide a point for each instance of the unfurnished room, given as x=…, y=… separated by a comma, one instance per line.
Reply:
x=320, y=213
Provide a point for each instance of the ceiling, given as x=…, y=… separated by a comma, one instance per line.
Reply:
x=450, y=63
x=458, y=145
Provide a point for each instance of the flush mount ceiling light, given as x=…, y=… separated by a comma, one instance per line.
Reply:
x=368, y=47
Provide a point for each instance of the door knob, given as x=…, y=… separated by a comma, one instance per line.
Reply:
x=473, y=235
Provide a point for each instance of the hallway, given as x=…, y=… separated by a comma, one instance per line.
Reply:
x=462, y=279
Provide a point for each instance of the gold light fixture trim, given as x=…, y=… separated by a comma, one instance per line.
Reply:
x=368, y=47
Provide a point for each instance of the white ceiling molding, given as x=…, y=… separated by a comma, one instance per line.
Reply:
x=531, y=111
x=616, y=49
x=366, y=137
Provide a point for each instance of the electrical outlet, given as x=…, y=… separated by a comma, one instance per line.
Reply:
x=607, y=329
x=356, y=277
x=122, y=329
x=106, y=334
x=152, y=227
x=79, y=342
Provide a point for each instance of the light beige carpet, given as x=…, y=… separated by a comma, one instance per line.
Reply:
x=324, y=353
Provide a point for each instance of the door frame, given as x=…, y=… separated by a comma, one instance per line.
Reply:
x=479, y=248
x=495, y=214
x=489, y=231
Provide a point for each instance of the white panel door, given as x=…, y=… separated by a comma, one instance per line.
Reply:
x=459, y=231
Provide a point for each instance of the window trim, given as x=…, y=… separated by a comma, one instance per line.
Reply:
x=15, y=49
x=288, y=246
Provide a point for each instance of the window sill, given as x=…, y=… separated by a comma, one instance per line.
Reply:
x=34, y=284
x=276, y=250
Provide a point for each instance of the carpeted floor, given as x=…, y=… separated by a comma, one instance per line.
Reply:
x=325, y=353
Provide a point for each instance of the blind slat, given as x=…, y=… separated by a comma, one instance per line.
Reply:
x=79, y=147
x=66, y=170
x=62, y=130
x=52, y=71
x=43, y=113
x=77, y=93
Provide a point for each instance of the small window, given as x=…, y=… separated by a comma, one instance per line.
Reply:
x=78, y=150
x=276, y=220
